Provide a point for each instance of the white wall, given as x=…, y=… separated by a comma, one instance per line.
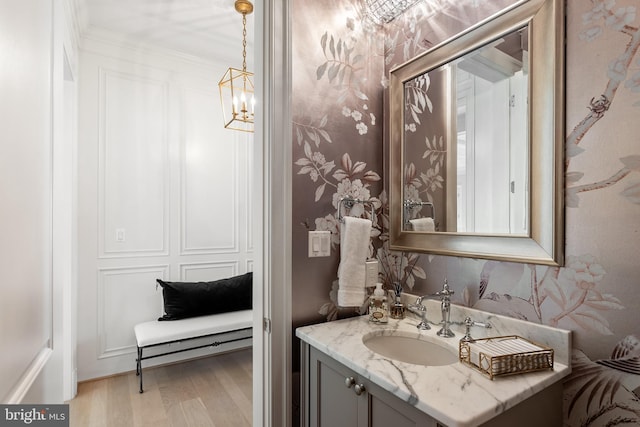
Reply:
x=519, y=154
x=491, y=195
x=25, y=191
x=163, y=193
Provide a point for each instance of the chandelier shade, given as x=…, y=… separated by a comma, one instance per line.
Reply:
x=385, y=11
x=238, y=100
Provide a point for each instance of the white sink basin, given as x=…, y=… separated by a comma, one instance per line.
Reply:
x=417, y=350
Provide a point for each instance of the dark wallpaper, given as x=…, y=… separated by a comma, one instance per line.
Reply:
x=340, y=67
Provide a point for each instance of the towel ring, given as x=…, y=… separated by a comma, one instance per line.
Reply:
x=348, y=202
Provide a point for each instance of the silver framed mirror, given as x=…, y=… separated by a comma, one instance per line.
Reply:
x=489, y=104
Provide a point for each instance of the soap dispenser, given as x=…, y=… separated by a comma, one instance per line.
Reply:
x=378, y=307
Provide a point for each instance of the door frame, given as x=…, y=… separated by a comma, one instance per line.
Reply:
x=272, y=154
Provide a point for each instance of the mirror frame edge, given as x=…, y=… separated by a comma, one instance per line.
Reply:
x=545, y=244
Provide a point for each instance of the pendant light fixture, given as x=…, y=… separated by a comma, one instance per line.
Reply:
x=236, y=86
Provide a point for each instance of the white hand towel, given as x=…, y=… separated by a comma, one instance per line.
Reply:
x=354, y=249
x=423, y=224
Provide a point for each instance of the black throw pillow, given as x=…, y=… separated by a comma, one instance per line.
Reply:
x=191, y=299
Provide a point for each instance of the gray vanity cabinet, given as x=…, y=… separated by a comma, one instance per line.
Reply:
x=335, y=396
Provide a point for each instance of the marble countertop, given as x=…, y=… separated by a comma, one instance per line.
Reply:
x=456, y=395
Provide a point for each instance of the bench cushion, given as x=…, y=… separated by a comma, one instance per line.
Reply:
x=192, y=299
x=158, y=332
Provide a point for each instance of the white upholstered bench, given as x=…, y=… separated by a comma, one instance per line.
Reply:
x=157, y=333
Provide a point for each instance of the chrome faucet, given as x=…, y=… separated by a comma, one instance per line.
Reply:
x=445, y=308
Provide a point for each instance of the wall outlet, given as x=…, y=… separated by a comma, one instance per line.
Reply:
x=319, y=243
x=371, y=273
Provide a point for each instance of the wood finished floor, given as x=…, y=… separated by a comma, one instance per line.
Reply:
x=213, y=391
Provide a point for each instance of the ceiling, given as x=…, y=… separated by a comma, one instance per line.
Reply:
x=208, y=29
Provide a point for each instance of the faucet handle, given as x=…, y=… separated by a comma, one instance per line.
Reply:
x=468, y=323
x=419, y=308
x=446, y=290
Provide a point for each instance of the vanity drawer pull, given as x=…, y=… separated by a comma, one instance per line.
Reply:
x=349, y=381
x=359, y=389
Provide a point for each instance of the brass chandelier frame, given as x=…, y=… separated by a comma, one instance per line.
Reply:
x=236, y=86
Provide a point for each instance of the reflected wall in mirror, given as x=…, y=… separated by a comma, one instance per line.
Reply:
x=472, y=174
x=477, y=137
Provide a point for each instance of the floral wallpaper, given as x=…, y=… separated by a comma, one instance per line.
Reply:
x=425, y=145
x=340, y=67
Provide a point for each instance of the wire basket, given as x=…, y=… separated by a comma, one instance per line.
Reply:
x=505, y=355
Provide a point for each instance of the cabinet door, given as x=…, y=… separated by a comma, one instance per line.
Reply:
x=386, y=410
x=332, y=403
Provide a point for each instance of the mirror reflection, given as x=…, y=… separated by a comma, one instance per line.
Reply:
x=467, y=153
x=476, y=142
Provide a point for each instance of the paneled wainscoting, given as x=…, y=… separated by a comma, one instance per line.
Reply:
x=209, y=391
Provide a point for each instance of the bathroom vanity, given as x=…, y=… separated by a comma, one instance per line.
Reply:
x=344, y=383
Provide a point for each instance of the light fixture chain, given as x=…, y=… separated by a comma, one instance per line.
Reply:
x=244, y=42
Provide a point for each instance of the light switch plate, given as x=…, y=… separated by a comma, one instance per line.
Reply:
x=319, y=243
x=371, y=273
